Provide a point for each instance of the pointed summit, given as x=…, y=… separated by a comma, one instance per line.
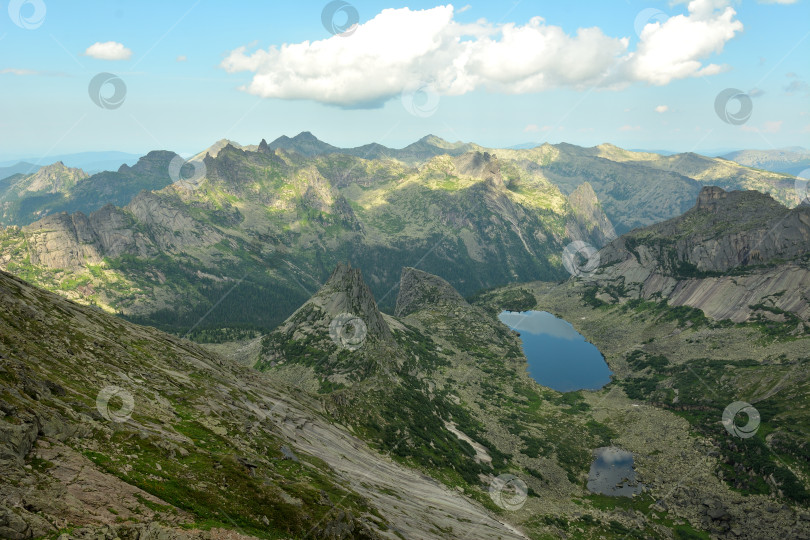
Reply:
x=305, y=143
x=339, y=332
x=346, y=292
x=263, y=148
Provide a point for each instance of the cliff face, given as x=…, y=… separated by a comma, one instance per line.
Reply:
x=733, y=250
x=588, y=221
x=72, y=241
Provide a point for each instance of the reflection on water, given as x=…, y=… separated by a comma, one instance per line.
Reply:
x=612, y=473
x=559, y=357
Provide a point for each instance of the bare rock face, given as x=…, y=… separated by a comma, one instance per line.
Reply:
x=420, y=290
x=589, y=223
x=63, y=241
x=71, y=241
x=347, y=292
x=731, y=251
x=171, y=225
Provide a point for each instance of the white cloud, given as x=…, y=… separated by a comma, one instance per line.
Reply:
x=182, y=58
x=674, y=49
x=774, y=126
x=15, y=71
x=372, y=66
x=531, y=128
x=662, y=108
x=109, y=50
x=463, y=9
x=783, y=2
x=630, y=128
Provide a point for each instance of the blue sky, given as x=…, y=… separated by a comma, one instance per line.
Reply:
x=487, y=72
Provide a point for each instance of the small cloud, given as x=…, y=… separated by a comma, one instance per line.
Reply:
x=662, y=108
x=768, y=127
x=756, y=92
x=463, y=9
x=109, y=50
x=630, y=128
x=783, y=2
x=20, y=72
x=797, y=86
x=531, y=128
x=182, y=58
x=772, y=127
x=791, y=74
x=806, y=129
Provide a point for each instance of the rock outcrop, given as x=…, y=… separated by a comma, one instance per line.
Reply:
x=732, y=251
x=419, y=290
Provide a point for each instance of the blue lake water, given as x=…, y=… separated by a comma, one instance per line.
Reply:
x=559, y=357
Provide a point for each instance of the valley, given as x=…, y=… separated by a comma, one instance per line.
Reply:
x=335, y=391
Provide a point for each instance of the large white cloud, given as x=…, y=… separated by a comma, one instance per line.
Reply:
x=400, y=48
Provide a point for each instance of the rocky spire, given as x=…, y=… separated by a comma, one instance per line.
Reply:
x=342, y=316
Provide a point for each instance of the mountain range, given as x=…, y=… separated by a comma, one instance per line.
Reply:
x=350, y=377
x=151, y=245
x=793, y=160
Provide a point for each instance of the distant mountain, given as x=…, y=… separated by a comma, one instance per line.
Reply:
x=791, y=160
x=21, y=167
x=90, y=162
x=58, y=188
x=215, y=149
x=524, y=146
x=307, y=144
x=276, y=221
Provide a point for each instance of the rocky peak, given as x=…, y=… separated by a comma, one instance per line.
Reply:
x=480, y=165
x=54, y=178
x=709, y=198
x=155, y=162
x=346, y=292
x=263, y=148
x=419, y=290
x=341, y=317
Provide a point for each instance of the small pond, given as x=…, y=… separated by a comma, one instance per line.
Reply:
x=612, y=473
x=559, y=357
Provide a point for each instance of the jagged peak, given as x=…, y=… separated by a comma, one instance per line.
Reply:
x=347, y=292
x=420, y=290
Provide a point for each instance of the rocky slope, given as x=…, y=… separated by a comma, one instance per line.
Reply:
x=112, y=430
x=735, y=255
